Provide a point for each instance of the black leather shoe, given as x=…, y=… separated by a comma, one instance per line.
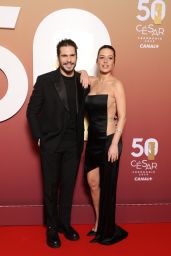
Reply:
x=69, y=233
x=91, y=233
x=52, y=237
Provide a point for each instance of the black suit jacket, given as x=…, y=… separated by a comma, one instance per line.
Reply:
x=48, y=110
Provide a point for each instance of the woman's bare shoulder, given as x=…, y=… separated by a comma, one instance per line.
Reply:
x=116, y=83
x=92, y=80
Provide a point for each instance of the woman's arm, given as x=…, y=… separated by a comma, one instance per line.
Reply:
x=85, y=79
x=121, y=112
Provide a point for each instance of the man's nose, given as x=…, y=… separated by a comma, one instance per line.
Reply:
x=68, y=58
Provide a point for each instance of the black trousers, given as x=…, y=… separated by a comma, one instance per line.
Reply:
x=59, y=172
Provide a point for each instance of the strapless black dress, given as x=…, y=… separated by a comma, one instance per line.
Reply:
x=96, y=155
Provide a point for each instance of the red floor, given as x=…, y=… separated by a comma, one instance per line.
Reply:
x=143, y=240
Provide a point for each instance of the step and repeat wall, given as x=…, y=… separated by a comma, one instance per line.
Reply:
x=140, y=32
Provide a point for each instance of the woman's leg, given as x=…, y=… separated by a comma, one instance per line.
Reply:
x=93, y=179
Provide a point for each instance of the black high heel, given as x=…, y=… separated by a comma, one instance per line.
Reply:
x=96, y=239
x=91, y=233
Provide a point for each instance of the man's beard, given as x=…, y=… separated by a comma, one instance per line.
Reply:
x=66, y=71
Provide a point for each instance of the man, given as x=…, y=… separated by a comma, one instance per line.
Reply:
x=56, y=114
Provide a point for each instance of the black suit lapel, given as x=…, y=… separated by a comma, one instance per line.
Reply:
x=61, y=89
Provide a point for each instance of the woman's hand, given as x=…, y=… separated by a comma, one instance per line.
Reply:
x=38, y=143
x=113, y=153
x=84, y=78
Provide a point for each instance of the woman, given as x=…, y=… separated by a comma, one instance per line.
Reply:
x=105, y=101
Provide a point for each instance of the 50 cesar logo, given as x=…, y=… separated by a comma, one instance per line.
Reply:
x=145, y=168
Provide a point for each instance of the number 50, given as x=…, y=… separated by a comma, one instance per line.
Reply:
x=137, y=144
x=151, y=11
